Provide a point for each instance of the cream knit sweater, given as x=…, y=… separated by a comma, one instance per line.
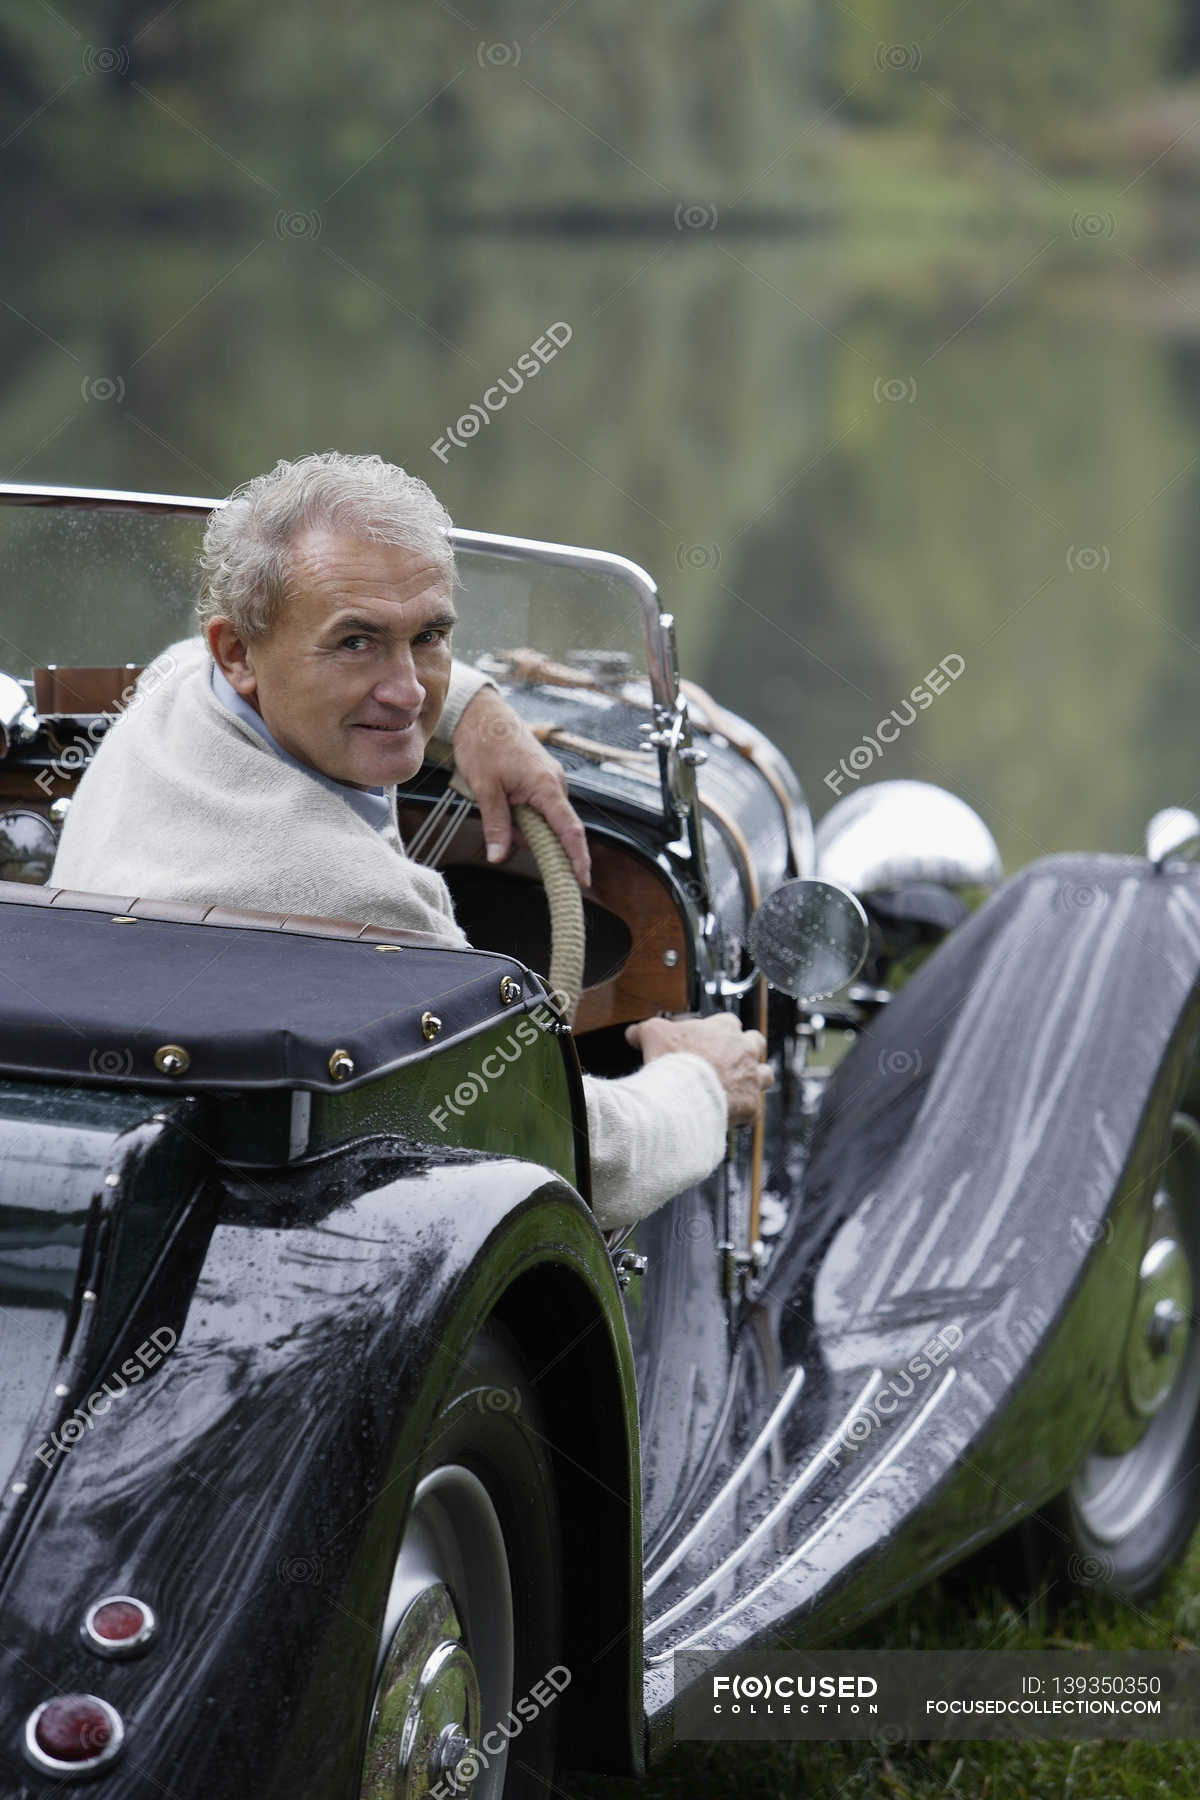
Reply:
x=184, y=801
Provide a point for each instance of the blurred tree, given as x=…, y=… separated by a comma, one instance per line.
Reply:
x=348, y=111
x=1186, y=57
x=214, y=108
x=1012, y=68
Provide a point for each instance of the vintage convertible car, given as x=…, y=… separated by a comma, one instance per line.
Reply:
x=343, y=1455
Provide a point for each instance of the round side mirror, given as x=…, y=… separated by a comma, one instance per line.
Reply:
x=809, y=938
x=27, y=846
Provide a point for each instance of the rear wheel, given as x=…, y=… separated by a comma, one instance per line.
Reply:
x=1131, y=1510
x=473, y=1618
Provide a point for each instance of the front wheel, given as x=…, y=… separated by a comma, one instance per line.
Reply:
x=1131, y=1510
x=466, y=1673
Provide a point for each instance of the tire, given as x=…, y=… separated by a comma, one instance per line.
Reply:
x=1129, y=1514
x=473, y=1622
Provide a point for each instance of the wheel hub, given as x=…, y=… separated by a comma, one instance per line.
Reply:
x=427, y=1715
x=444, y=1669
x=1157, y=1345
x=452, y=1748
x=1163, y=1329
x=1159, y=1338
x=1136, y=1462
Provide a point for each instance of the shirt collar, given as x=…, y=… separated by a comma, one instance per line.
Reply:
x=371, y=804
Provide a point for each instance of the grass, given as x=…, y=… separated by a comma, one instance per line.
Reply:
x=968, y=1608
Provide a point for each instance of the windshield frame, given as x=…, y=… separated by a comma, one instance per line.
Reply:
x=671, y=733
x=516, y=549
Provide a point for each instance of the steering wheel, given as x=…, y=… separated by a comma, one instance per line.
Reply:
x=564, y=896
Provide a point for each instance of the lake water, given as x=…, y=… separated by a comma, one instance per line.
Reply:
x=846, y=459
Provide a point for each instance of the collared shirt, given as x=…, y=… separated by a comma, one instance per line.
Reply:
x=371, y=804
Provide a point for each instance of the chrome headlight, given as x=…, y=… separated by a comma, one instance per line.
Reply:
x=894, y=833
x=18, y=721
x=919, y=857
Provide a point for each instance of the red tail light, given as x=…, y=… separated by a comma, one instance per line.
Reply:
x=118, y=1626
x=73, y=1734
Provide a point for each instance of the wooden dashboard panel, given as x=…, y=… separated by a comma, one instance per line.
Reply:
x=638, y=893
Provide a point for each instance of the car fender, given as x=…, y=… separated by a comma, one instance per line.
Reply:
x=983, y=1166
x=254, y=1490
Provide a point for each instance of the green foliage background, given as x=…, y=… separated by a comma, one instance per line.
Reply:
x=886, y=345
x=273, y=229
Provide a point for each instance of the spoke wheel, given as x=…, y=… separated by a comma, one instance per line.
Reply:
x=1134, y=1504
x=472, y=1620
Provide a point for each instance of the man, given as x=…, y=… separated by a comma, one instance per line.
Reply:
x=257, y=767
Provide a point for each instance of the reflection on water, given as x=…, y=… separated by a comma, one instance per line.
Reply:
x=835, y=490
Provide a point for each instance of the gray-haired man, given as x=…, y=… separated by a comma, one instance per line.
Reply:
x=259, y=769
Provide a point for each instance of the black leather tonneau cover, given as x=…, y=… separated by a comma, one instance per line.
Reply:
x=89, y=998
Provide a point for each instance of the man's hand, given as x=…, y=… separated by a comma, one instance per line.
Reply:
x=503, y=764
x=735, y=1054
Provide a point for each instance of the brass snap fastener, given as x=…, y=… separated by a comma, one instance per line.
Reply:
x=171, y=1059
x=430, y=1026
x=510, y=990
x=341, y=1064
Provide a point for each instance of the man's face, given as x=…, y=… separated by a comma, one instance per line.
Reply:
x=352, y=678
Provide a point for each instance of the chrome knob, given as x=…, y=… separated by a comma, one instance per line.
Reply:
x=627, y=1264
x=1162, y=1326
x=452, y=1747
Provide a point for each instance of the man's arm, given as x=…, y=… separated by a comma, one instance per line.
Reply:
x=657, y=1132
x=465, y=683
x=652, y=1135
x=504, y=765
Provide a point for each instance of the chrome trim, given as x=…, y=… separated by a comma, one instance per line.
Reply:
x=117, y=1649
x=779, y=1413
x=815, y=1466
x=19, y=493
x=75, y=1771
x=672, y=737
x=827, y=1524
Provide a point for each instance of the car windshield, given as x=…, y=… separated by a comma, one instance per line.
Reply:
x=86, y=585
